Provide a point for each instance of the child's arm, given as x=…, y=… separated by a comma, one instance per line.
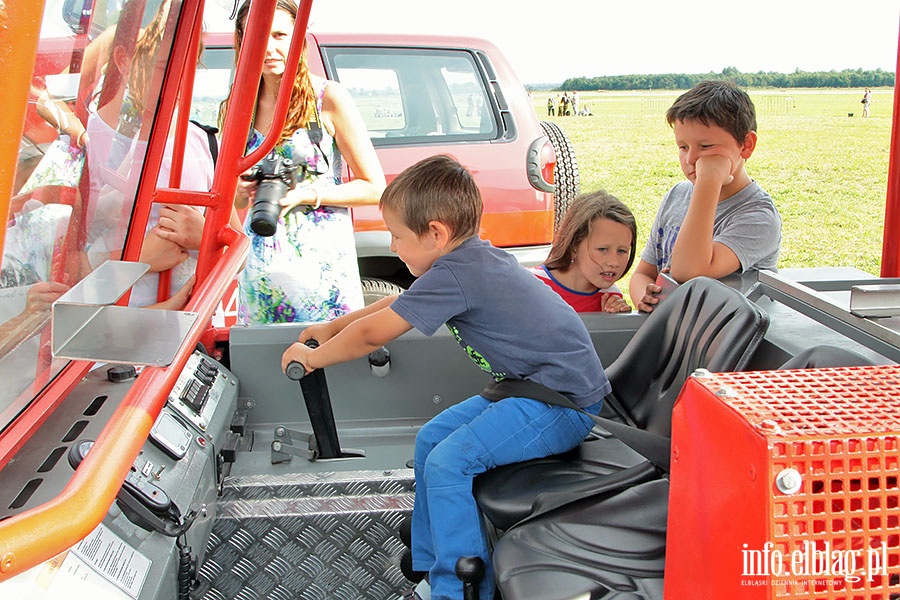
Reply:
x=642, y=286
x=695, y=253
x=348, y=337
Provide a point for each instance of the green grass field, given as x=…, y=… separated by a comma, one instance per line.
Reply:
x=825, y=170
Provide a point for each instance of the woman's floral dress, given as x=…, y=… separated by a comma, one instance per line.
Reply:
x=307, y=270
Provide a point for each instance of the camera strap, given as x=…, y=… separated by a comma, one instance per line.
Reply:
x=314, y=131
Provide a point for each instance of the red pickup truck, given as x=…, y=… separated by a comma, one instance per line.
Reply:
x=423, y=95
x=419, y=95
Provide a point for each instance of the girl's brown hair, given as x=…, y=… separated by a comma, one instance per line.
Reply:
x=576, y=226
x=302, y=107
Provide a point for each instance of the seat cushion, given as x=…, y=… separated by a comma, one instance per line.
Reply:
x=510, y=494
x=611, y=548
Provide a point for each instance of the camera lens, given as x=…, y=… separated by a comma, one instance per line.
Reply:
x=264, y=218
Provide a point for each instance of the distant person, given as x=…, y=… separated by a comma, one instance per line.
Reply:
x=574, y=102
x=718, y=221
x=551, y=108
x=593, y=248
x=866, y=100
x=466, y=284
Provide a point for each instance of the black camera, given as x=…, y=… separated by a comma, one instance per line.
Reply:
x=276, y=175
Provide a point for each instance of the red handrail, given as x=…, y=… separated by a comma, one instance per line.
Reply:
x=890, y=250
x=29, y=538
x=38, y=534
x=284, y=93
x=241, y=107
x=20, y=26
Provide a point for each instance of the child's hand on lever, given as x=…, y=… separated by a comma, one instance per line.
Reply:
x=298, y=352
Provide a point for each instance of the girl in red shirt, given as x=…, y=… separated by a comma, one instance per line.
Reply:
x=593, y=248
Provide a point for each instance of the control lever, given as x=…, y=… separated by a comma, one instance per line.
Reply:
x=470, y=570
x=318, y=405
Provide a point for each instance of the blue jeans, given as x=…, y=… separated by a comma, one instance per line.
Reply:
x=451, y=450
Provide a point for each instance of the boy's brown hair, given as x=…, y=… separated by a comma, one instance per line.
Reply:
x=437, y=188
x=719, y=103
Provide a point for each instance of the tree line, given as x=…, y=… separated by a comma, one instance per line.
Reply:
x=848, y=78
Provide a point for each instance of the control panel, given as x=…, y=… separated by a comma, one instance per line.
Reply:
x=199, y=389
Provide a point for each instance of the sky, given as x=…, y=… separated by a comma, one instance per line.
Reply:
x=548, y=42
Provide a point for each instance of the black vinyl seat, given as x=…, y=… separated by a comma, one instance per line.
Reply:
x=611, y=547
x=610, y=543
x=701, y=324
x=591, y=523
x=820, y=357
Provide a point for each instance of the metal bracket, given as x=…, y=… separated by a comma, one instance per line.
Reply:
x=880, y=300
x=88, y=325
x=283, y=447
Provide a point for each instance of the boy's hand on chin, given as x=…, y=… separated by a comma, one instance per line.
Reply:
x=714, y=167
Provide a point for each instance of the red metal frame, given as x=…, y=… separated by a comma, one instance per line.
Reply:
x=41, y=533
x=890, y=251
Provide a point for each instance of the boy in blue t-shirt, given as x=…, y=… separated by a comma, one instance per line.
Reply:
x=509, y=323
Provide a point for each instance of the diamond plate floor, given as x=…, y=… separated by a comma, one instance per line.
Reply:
x=309, y=536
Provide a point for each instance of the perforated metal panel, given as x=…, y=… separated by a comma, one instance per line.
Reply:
x=785, y=485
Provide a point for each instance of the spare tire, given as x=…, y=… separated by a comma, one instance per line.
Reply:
x=376, y=289
x=565, y=174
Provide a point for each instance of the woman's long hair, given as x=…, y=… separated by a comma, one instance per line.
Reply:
x=302, y=106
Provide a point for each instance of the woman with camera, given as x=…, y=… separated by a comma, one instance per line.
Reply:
x=305, y=269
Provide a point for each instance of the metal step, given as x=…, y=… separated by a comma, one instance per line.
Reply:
x=308, y=536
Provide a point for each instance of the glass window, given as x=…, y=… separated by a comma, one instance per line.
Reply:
x=405, y=95
x=93, y=100
x=212, y=84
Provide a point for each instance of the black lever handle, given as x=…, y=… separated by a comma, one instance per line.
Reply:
x=295, y=370
x=470, y=570
x=318, y=405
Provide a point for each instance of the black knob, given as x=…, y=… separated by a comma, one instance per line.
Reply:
x=470, y=569
x=295, y=370
x=121, y=373
x=380, y=357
